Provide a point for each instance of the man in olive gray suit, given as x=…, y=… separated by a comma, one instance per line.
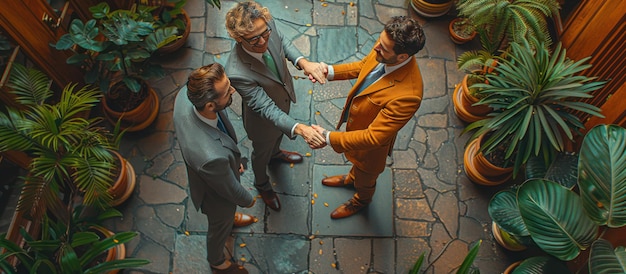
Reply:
x=208, y=144
x=258, y=70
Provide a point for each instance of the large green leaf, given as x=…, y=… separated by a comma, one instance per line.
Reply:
x=604, y=260
x=541, y=265
x=602, y=175
x=504, y=211
x=555, y=218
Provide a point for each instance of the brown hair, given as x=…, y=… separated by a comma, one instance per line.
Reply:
x=407, y=34
x=201, y=84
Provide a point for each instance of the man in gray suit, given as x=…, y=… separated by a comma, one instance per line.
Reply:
x=258, y=70
x=208, y=144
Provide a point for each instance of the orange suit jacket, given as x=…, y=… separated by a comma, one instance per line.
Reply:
x=377, y=113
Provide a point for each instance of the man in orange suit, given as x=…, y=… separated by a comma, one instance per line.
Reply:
x=386, y=95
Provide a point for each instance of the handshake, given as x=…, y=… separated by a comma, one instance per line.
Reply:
x=313, y=135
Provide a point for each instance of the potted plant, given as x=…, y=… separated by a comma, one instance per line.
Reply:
x=166, y=14
x=461, y=30
x=80, y=246
x=476, y=64
x=508, y=21
x=563, y=222
x=532, y=93
x=537, y=265
x=115, y=49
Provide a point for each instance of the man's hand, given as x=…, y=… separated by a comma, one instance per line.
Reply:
x=321, y=131
x=241, y=169
x=311, y=136
x=316, y=71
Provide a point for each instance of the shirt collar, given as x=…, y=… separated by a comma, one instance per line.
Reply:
x=210, y=122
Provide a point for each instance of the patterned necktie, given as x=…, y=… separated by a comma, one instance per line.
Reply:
x=371, y=77
x=271, y=65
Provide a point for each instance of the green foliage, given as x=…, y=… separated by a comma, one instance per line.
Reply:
x=541, y=265
x=214, y=3
x=116, y=46
x=73, y=247
x=70, y=155
x=560, y=221
x=464, y=268
x=510, y=20
x=603, y=259
x=533, y=94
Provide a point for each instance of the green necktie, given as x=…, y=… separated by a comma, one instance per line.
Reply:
x=271, y=65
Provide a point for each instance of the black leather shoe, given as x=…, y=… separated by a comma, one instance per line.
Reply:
x=288, y=157
x=270, y=199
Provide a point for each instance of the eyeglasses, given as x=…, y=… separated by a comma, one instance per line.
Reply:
x=255, y=40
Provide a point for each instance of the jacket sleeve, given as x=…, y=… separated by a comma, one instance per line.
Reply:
x=255, y=98
x=223, y=181
x=381, y=131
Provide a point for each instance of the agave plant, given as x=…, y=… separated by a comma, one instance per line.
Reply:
x=533, y=94
x=559, y=220
x=71, y=155
x=510, y=20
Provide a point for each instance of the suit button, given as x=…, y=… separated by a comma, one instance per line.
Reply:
x=350, y=120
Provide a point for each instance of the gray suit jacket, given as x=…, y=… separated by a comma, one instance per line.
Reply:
x=212, y=159
x=266, y=99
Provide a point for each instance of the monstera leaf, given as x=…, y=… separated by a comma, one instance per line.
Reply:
x=603, y=259
x=602, y=175
x=555, y=219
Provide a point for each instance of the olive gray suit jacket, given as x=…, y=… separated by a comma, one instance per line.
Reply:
x=212, y=159
x=266, y=98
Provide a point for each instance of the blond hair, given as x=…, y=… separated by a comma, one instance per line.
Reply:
x=240, y=19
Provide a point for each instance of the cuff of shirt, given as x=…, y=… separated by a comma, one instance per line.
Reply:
x=331, y=73
x=326, y=133
x=293, y=129
x=296, y=62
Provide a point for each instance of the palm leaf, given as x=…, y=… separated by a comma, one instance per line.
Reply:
x=541, y=265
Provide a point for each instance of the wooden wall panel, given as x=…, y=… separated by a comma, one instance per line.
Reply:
x=598, y=29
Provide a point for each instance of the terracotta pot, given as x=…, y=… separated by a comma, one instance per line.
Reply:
x=174, y=46
x=431, y=8
x=116, y=253
x=505, y=239
x=512, y=267
x=480, y=170
x=463, y=102
x=136, y=119
x=124, y=186
x=456, y=38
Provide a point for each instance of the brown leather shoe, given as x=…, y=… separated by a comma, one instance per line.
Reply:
x=242, y=219
x=289, y=157
x=348, y=209
x=232, y=269
x=336, y=181
x=270, y=199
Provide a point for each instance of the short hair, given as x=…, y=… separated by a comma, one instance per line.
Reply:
x=201, y=84
x=407, y=34
x=240, y=19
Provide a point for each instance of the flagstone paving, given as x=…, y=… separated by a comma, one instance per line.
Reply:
x=424, y=202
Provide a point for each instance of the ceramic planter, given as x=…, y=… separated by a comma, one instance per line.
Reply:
x=174, y=46
x=463, y=102
x=124, y=186
x=480, y=170
x=459, y=38
x=431, y=8
x=138, y=118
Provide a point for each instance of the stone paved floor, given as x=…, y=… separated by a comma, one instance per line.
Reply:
x=425, y=203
